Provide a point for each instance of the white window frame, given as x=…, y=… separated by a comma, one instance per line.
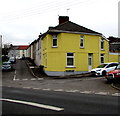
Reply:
x=54, y=38
x=82, y=41
x=69, y=57
x=102, y=44
x=102, y=56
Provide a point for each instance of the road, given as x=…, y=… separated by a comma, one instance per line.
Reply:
x=24, y=94
x=64, y=103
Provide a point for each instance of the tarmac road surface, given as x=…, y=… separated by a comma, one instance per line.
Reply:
x=24, y=101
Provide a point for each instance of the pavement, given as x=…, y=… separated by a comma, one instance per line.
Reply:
x=116, y=86
x=39, y=73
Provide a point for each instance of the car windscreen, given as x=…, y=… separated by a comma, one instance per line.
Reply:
x=118, y=67
x=102, y=66
x=11, y=59
x=5, y=63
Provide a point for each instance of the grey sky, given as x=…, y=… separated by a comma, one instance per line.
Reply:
x=21, y=21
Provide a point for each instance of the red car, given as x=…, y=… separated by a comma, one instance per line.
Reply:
x=114, y=75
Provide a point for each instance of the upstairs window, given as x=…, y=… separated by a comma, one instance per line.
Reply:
x=54, y=41
x=81, y=41
x=70, y=59
x=102, y=44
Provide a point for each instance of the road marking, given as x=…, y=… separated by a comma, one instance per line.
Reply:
x=15, y=72
x=39, y=78
x=34, y=104
x=72, y=91
x=85, y=92
x=116, y=94
x=88, y=92
x=102, y=93
x=14, y=78
x=24, y=79
x=36, y=88
x=26, y=87
x=46, y=89
x=58, y=90
x=33, y=79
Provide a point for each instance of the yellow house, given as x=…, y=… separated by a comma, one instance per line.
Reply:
x=72, y=49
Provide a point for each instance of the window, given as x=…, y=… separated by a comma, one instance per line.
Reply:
x=102, y=58
x=112, y=65
x=70, y=59
x=54, y=41
x=81, y=41
x=102, y=44
x=23, y=51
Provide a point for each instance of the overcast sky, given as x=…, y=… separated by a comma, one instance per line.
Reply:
x=21, y=21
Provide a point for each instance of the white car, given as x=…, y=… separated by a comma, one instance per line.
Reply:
x=12, y=59
x=102, y=69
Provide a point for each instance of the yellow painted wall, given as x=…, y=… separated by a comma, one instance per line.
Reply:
x=114, y=57
x=54, y=59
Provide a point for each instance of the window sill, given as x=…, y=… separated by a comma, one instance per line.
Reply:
x=70, y=67
x=54, y=46
x=81, y=47
x=102, y=49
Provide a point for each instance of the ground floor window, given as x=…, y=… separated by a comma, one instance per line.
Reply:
x=70, y=59
x=102, y=58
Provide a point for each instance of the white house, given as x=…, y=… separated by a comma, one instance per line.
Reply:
x=18, y=51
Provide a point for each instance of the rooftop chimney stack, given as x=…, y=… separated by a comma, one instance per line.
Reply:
x=63, y=19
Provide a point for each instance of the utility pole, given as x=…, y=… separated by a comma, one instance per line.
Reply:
x=0, y=41
x=0, y=69
x=119, y=19
x=0, y=46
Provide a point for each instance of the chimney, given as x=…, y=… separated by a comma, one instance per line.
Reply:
x=63, y=19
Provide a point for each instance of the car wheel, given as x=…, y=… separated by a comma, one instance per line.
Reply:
x=104, y=73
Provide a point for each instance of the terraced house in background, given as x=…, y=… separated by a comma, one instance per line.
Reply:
x=114, y=49
x=69, y=48
x=18, y=51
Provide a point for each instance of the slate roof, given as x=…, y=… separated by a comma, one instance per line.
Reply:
x=72, y=27
x=114, y=39
x=114, y=44
x=115, y=47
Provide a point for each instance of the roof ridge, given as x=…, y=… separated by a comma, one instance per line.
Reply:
x=61, y=24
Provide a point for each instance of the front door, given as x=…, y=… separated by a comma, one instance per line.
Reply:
x=90, y=61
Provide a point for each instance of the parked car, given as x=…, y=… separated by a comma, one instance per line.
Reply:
x=102, y=69
x=12, y=59
x=114, y=74
x=6, y=66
